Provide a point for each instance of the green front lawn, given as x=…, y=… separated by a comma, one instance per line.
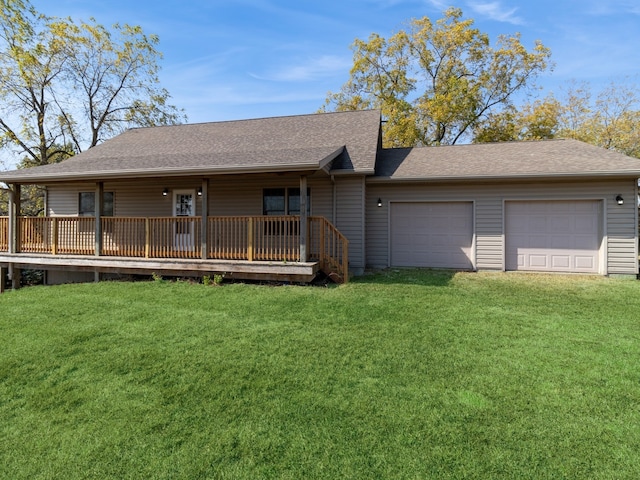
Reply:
x=397, y=375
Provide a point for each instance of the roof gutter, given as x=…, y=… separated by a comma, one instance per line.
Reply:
x=165, y=172
x=523, y=177
x=170, y=172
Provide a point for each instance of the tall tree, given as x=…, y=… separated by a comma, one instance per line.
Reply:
x=435, y=81
x=610, y=119
x=66, y=86
x=539, y=120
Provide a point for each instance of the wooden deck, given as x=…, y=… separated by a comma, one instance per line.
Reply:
x=231, y=269
x=243, y=247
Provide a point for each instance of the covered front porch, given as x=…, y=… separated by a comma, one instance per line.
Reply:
x=284, y=248
x=248, y=200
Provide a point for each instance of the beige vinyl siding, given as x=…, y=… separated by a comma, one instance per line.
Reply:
x=619, y=232
x=228, y=195
x=62, y=200
x=350, y=213
x=242, y=194
x=489, y=239
x=622, y=233
x=145, y=199
x=131, y=198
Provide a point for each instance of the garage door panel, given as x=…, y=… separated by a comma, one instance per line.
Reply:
x=585, y=224
x=560, y=262
x=585, y=263
x=558, y=241
x=561, y=207
x=438, y=234
x=534, y=224
x=537, y=241
x=559, y=224
x=586, y=207
x=537, y=261
x=565, y=239
x=585, y=242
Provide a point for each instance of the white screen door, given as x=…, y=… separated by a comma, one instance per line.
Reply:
x=184, y=206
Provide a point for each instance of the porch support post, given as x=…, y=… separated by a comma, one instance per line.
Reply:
x=98, y=214
x=14, y=213
x=16, y=276
x=205, y=215
x=14, y=232
x=303, y=219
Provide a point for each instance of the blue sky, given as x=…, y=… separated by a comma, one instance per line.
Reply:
x=233, y=59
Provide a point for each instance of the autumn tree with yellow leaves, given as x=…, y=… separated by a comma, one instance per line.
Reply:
x=435, y=82
x=65, y=86
x=609, y=119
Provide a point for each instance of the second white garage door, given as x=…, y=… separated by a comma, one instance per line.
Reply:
x=553, y=236
x=432, y=234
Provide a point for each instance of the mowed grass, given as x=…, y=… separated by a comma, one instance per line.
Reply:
x=410, y=374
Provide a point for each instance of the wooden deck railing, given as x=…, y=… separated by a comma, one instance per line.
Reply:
x=4, y=233
x=276, y=238
x=66, y=235
x=124, y=236
x=228, y=238
x=268, y=238
x=330, y=248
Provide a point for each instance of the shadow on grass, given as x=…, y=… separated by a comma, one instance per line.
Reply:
x=408, y=276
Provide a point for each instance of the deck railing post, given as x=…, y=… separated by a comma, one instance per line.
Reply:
x=323, y=229
x=204, y=238
x=303, y=219
x=345, y=261
x=147, y=238
x=99, y=200
x=54, y=236
x=250, y=239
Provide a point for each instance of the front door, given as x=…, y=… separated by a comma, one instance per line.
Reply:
x=184, y=206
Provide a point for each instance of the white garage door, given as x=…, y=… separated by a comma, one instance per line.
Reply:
x=553, y=236
x=437, y=235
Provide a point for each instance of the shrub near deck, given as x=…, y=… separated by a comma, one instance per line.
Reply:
x=397, y=375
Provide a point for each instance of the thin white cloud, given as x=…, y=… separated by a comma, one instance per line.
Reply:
x=313, y=69
x=440, y=4
x=496, y=11
x=613, y=7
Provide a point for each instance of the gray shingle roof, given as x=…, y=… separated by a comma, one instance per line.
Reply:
x=346, y=142
x=303, y=142
x=550, y=158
